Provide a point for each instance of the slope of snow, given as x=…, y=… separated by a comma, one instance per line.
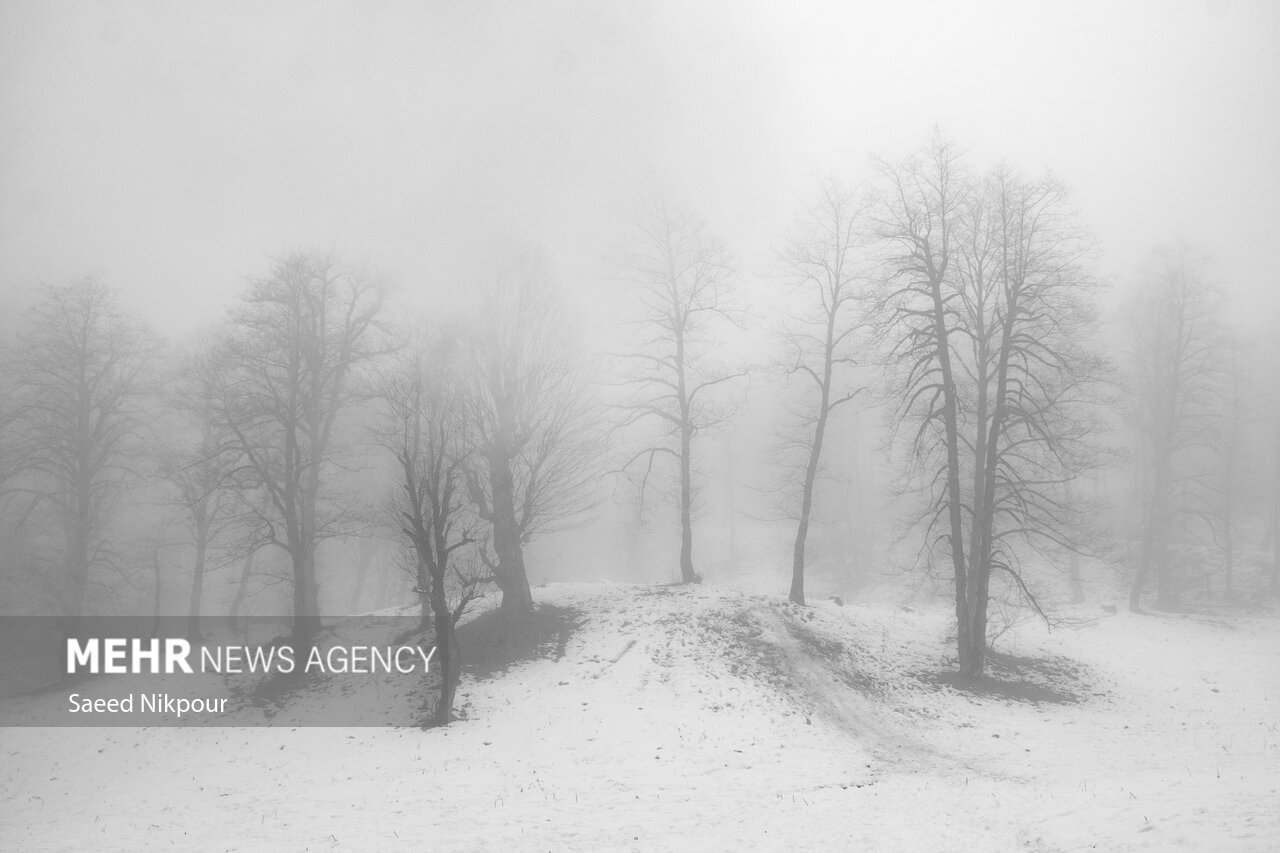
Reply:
x=699, y=718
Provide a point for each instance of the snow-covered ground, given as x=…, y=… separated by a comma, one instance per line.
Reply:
x=706, y=719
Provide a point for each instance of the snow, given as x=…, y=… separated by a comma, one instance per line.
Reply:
x=703, y=718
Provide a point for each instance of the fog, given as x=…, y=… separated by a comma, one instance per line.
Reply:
x=758, y=419
x=174, y=153
x=174, y=150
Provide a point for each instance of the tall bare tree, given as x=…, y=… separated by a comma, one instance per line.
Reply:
x=1175, y=374
x=683, y=276
x=530, y=422
x=917, y=221
x=426, y=432
x=284, y=372
x=821, y=273
x=986, y=310
x=1028, y=300
x=78, y=419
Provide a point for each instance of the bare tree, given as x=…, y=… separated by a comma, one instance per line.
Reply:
x=284, y=373
x=426, y=432
x=529, y=419
x=683, y=276
x=248, y=566
x=821, y=274
x=200, y=469
x=78, y=420
x=917, y=220
x=1029, y=320
x=985, y=312
x=1174, y=376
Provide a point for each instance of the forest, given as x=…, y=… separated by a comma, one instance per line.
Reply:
x=323, y=450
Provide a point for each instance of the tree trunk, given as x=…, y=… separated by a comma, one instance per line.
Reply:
x=511, y=577
x=426, y=605
x=1077, y=585
x=447, y=652
x=806, y=496
x=1153, y=536
x=197, y=590
x=306, y=611
x=978, y=632
x=1228, y=545
x=1135, y=592
x=973, y=648
x=242, y=589
x=382, y=596
x=155, y=611
x=687, y=574
x=1166, y=587
x=77, y=538
x=366, y=551
x=1145, y=560
x=857, y=530
x=955, y=499
x=517, y=597
x=797, y=559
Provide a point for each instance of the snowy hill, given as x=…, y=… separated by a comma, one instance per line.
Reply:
x=655, y=718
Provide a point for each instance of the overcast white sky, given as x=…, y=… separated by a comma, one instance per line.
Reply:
x=174, y=147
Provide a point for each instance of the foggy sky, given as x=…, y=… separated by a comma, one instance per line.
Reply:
x=174, y=147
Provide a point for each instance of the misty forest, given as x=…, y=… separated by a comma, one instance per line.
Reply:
x=930, y=481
